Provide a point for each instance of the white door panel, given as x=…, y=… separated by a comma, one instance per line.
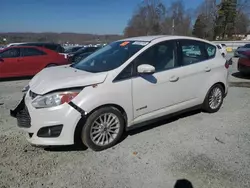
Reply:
x=154, y=92
x=192, y=79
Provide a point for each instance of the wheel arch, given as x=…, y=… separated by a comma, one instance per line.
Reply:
x=217, y=83
x=222, y=84
x=82, y=121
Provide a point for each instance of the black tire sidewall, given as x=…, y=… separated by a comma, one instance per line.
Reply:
x=206, y=105
x=87, y=127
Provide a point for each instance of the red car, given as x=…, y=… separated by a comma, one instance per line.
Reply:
x=244, y=63
x=27, y=60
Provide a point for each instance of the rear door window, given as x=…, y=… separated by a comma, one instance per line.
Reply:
x=31, y=52
x=192, y=52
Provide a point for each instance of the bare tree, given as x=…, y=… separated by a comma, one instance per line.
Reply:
x=147, y=19
x=209, y=11
x=180, y=19
x=242, y=20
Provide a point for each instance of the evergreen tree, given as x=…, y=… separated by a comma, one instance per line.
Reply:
x=199, y=29
x=225, y=22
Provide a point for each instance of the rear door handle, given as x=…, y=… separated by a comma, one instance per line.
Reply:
x=207, y=69
x=174, y=79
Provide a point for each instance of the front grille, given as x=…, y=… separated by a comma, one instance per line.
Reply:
x=23, y=118
x=32, y=94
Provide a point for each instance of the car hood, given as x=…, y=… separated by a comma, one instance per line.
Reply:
x=62, y=77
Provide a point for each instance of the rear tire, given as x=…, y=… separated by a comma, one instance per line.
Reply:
x=103, y=128
x=214, y=99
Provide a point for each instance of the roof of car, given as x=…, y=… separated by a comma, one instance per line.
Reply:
x=159, y=37
x=38, y=43
x=37, y=47
x=144, y=38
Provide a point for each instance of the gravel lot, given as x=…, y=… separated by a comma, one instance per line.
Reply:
x=209, y=150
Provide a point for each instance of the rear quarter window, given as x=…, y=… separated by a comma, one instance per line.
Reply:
x=192, y=52
x=211, y=50
x=31, y=52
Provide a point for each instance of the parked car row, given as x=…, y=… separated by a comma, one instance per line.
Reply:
x=27, y=59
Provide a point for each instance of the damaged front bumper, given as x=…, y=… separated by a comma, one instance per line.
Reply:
x=48, y=126
x=21, y=114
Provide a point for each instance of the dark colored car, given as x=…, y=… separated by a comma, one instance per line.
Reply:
x=17, y=61
x=52, y=46
x=240, y=50
x=73, y=56
x=72, y=49
x=244, y=62
x=82, y=56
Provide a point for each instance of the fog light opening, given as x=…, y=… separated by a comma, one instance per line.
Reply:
x=50, y=132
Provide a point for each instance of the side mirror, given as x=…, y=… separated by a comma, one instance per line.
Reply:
x=1, y=60
x=146, y=69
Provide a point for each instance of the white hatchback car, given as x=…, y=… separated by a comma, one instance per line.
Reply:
x=223, y=49
x=124, y=84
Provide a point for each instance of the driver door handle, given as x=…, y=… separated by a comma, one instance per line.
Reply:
x=174, y=79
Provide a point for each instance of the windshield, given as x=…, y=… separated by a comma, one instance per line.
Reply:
x=110, y=57
x=247, y=46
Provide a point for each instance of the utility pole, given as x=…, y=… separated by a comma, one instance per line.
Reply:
x=173, y=25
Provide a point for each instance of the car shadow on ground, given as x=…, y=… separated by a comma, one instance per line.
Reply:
x=156, y=123
x=162, y=121
x=70, y=148
x=241, y=76
x=15, y=79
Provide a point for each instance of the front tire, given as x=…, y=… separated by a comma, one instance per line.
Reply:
x=103, y=128
x=214, y=99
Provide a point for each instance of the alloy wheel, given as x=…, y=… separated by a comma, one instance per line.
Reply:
x=215, y=98
x=105, y=129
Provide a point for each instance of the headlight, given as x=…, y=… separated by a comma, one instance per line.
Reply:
x=54, y=99
x=25, y=89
